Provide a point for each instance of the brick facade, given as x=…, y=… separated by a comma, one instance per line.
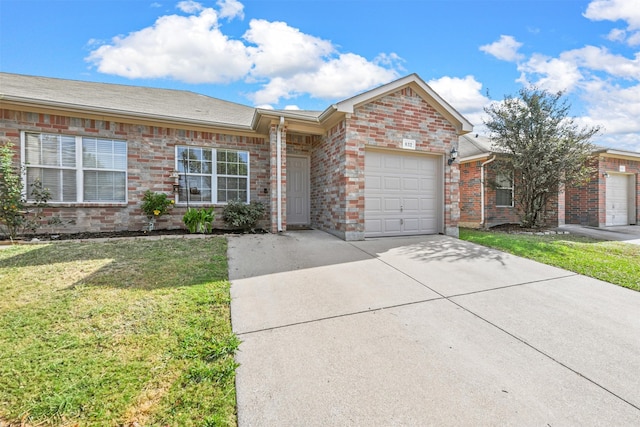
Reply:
x=337, y=174
x=471, y=200
x=150, y=159
x=586, y=204
x=335, y=142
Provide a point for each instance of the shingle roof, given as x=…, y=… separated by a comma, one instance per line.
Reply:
x=473, y=145
x=126, y=100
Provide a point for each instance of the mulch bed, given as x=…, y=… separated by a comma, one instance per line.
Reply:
x=125, y=233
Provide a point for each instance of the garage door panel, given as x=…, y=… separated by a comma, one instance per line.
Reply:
x=412, y=225
x=373, y=182
x=411, y=184
x=392, y=183
x=407, y=200
x=391, y=162
x=617, y=207
x=411, y=204
x=392, y=225
x=392, y=205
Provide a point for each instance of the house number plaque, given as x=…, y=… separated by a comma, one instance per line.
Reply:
x=409, y=144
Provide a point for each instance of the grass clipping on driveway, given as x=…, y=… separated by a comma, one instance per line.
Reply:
x=117, y=333
x=613, y=262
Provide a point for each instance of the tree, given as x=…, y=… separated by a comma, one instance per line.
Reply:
x=543, y=149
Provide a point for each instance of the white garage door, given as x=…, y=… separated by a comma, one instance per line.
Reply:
x=402, y=194
x=617, y=199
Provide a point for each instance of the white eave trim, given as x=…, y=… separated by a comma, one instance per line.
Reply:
x=475, y=157
x=619, y=153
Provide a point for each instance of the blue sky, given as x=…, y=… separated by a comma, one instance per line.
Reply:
x=307, y=54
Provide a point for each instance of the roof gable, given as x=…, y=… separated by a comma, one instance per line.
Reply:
x=457, y=120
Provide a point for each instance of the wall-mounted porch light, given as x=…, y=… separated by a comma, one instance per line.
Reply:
x=452, y=156
x=605, y=175
x=176, y=181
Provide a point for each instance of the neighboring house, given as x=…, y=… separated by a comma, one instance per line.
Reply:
x=373, y=165
x=611, y=197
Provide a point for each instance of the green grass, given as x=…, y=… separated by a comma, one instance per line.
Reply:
x=116, y=333
x=613, y=262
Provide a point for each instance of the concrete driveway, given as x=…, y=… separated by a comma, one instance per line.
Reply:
x=426, y=331
x=621, y=233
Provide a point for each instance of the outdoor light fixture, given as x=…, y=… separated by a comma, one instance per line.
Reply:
x=176, y=180
x=452, y=156
x=605, y=175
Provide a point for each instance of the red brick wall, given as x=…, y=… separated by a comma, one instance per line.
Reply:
x=338, y=159
x=586, y=204
x=470, y=194
x=151, y=152
x=471, y=206
x=327, y=186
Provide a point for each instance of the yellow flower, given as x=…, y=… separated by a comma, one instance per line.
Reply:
x=172, y=202
x=156, y=212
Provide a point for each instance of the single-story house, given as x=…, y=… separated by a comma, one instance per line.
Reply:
x=376, y=164
x=611, y=197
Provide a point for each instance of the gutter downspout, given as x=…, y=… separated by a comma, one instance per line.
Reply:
x=482, y=189
x=279, y=172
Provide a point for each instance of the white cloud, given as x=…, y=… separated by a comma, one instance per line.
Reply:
x=201, y=54
x=465, y=95
x=553, y=74
x=231, y=9
x=283, y=51
x=286, y=61
x=506, y=49
x=189, y=6
x=338, y=77
x=617, y=35
x=614, y=10
x=617, y=10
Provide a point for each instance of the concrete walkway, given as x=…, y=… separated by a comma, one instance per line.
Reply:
x=621, y=233
x=426, y=331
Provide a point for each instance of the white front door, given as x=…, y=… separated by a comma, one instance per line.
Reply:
x=297, y=190
x=402, y=194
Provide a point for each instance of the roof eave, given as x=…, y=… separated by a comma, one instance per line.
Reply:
x=619, y=153
x=116, y=113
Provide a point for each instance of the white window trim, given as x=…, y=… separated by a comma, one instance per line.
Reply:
x=79, y=169
x=214, y=174
x=511, y=188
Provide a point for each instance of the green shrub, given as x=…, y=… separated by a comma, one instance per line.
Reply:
x=155, y=205
x=199, y=220
x=243, y=216
x=16, y=214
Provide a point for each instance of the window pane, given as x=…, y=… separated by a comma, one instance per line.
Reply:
x=104, y=186
x=68, y=146
x=50, y=151
x=69, y=188
x=32, y=149
x=206, y=167
x=503, y=197
x=503, y=181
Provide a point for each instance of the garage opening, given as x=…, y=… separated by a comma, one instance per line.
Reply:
x=620, y=199
x=403, y=194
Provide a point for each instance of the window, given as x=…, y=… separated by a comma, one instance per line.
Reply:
x=504, y=190
x=77, y=169
x=210, y=175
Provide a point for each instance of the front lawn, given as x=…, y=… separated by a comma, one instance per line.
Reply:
x=613, y=262
x=117, y=333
